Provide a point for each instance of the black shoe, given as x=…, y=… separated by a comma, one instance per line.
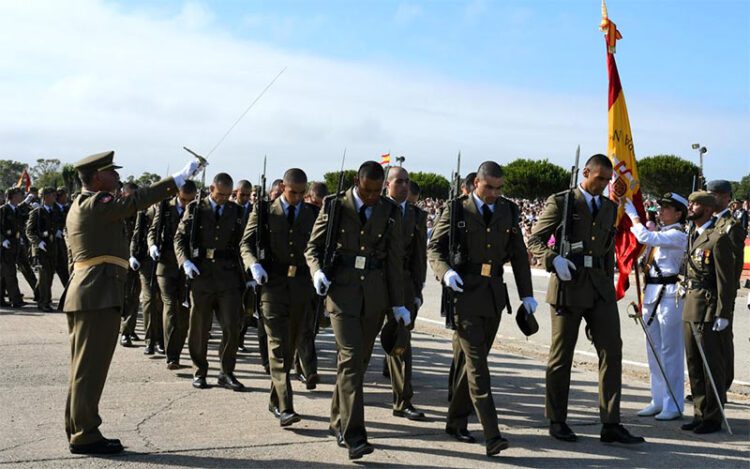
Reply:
x=149, y=350
x=230, y=382
x=360, y=450
x=135, y=337
x=267, y=370
x=173, y=365
x=18, y=305
x=274, y=410
x=692, y=425
x=199, y=382
x=125, y=341
x=616, y=433
x=301, y=378
x=386, y=370
x=46, y=308
x=4, y=304
x=160, y=349
x=461, y=435
x=562, y=431
x=288, y=418
x=707, y=426
x=103, y=446
x=244, y=349
x=312, y=381
x=495, y=445
x=689, y=398
x=410, y=413
x=339, y=437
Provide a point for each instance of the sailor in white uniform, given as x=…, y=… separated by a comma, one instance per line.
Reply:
x=662, y=305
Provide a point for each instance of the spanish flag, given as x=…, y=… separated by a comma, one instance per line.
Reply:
x=621, y=152
x=385, y=159
x=24, y=181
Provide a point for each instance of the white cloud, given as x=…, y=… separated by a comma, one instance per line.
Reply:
x=83, y=77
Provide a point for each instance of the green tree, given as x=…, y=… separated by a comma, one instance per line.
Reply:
x=70, y=178
x=145, y=179
x=10, y=171
x=431, y=184
x=741, y=189
x=331, y=180
x=660, y=174
x=530, y=179
x=46, y=173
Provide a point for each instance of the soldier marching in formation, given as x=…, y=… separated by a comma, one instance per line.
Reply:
x=364, y=251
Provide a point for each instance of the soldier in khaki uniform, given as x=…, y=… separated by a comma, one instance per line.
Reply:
x=589, y=293
x=711, y=288
x=170, y=278
x=61, y=213
x=489, y=236
x=10, y=243
x=93, y=299
x=132, y=284
x=42, y=230
x=366, y=281
x=414, y=236
x=726, y=222
x=286, y=286
x=212, y=263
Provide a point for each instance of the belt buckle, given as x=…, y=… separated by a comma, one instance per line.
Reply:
x=588, y=261
x=196, y=252
x=292, y=271
x=360, y=262
x=486, y=270
x=210, y=253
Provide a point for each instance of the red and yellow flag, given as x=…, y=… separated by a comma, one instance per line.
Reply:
x=24, y=181
x=625, y=182
x=385, y=159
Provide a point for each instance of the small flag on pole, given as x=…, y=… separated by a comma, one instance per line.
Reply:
x=385, y=159
x=24, y=181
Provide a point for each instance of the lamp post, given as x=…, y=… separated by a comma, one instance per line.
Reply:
x=701, y=151
x=400, y=160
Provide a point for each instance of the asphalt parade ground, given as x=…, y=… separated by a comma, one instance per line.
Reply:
x=164, y=422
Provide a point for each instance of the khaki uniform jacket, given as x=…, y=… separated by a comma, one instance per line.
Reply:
x=598, y=237
x=710, y=263
x=286, y=252
x=493, y=245
x=732, y=227
x=42, y=226
x=414, y=225
x=12, y=229
x=379, y=238
x=224, y=271
x=95, y=228
x=167, y=266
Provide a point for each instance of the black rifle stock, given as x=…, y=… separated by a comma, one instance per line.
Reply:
x=261, y=232
x=455, y=258
x=194, y=249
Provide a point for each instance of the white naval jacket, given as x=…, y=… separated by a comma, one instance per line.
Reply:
x=670, y=243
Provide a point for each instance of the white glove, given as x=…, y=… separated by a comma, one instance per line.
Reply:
x=34, y=204
x=321, y=283
x=562, y=268
x=400, y=312
x=190, y=269
x=530, y=304
x=43, y=246
x=720, y=324
x=188, y=172
x=452, y=280
x=251, y=284
x=154, y=253
x=134, y=264
x=417, y=302
x=59, y=234
x=28, y=197
x=6, y=244
x=259, y=273
x=630, y=210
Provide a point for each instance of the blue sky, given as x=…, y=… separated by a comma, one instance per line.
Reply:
x=497, y=80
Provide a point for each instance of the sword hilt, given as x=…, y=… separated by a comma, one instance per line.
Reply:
x=202, y=160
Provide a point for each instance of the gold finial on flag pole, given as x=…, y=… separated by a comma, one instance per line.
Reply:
x=609, y=29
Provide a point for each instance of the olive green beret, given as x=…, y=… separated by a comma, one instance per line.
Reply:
x=719, y=185
x=703, y=198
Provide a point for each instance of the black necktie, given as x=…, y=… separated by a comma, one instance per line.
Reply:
x=594, y=208
x=363, y=215
x=290, y=215
x=217, y=214
x=486, y=214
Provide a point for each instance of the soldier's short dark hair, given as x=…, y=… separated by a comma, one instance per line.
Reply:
x=61, y=190
x=48, y=191
x=223, y=179
x=130, y=187
x=599, y=160
x=189, y=187
x=33, y=189
x=12, y=191
x=468, y=183
x=244, y=184
x=86, y=175
x=295, y=176
x=414, y=187
x=318, y=189
x=491, y=169
x=276, y=183
x=371, y=170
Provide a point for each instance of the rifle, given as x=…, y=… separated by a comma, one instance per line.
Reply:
x=332, y=207
x=194, y=249
x=158, y=240
x=448, y=297
x=261, y=231
x=566, y=248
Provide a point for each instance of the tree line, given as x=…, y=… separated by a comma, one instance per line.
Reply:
x=524, y=177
